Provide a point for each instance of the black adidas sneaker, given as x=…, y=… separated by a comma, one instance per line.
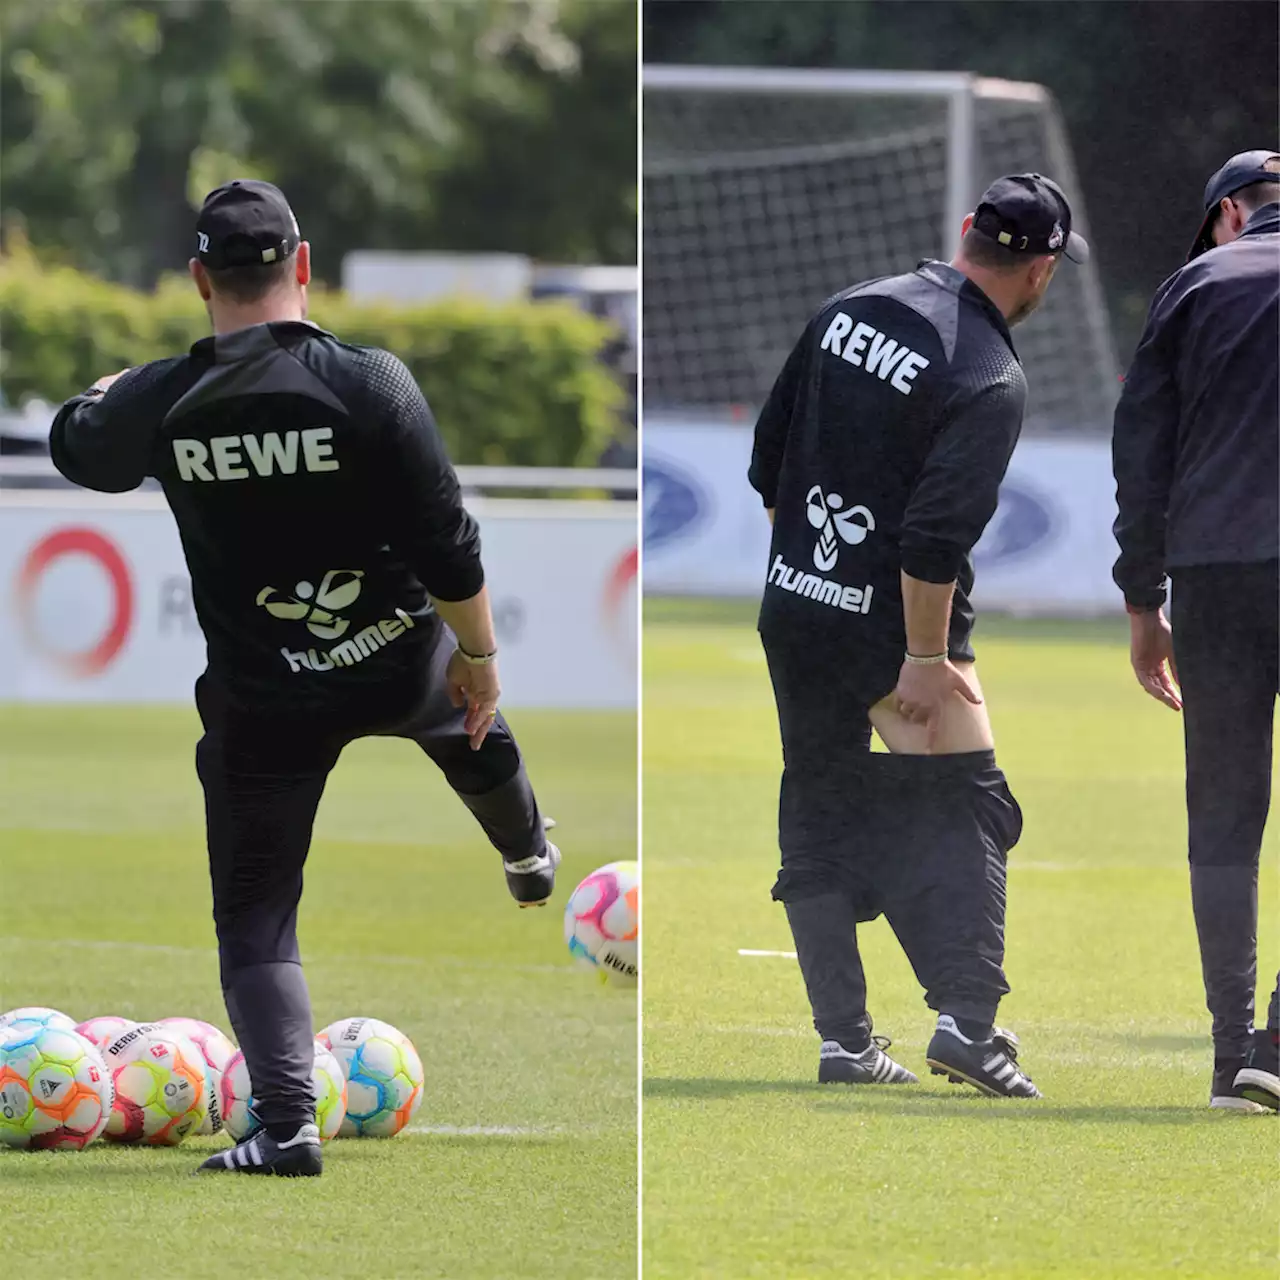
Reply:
x=532, y=881
x=299, y=1157
x=838, y=1065
x=1259, y=1079
x=991, y=1066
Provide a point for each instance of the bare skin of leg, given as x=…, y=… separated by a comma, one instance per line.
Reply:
x=964, y=727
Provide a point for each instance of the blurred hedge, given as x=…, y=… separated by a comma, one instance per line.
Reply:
x=516, y=384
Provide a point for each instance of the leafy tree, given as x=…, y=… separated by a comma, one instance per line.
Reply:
x=115, y=118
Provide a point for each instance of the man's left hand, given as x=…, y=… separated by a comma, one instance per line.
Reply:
x=476, y=687
x=1151, y=653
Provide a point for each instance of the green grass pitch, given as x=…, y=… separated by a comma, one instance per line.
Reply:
x=753, y=1170
x=522, y=1159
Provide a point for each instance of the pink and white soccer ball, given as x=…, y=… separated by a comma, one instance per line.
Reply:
x=216, y=1050
x=327, y=1082
x=30, y=1017
x=602, y=922
x=160, y=1087
x=104, y=1029
x=383, y=1072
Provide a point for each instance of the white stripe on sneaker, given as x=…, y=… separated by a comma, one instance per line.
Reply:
x=254, y=1153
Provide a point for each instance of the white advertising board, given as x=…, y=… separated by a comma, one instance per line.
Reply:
x=95, y=601
x=1048, y=550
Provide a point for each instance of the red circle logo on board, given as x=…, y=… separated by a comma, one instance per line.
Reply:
x=85, y=542
x=622, y=579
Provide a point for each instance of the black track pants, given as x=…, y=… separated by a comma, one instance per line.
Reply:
x=263, y=776
x=1226, y=638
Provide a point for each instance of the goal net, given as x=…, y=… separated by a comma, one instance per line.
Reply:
x=766, y=191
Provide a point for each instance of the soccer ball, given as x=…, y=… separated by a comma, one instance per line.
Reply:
x=159, y=1081
x=55, y=1090
x=216, y=1051
x=326, y=1080
x=103, y=1030
x=383, y=1072
x=602, y=922
x=34, y=1016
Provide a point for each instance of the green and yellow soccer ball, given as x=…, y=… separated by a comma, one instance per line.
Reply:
x=161, y=1091
x=327, y=1083
x=55, y=1090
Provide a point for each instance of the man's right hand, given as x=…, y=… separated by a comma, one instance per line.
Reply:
x=476, y=687
x=1151, y=653
x=923, y=691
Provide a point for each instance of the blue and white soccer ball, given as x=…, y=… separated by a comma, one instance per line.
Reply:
x=384, y=1076
x=33, y=1017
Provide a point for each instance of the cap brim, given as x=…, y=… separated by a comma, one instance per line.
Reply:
x=1204, y=237
x=1077, y=248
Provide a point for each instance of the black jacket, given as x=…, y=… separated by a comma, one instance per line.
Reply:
x=313, y=497
x=1195, y=451
x=882, y=448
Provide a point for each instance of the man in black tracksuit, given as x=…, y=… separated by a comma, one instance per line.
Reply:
x=337, y=578
x=1198, y=475
x=879, y=457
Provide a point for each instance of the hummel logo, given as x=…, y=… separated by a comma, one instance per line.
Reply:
x=851, y=525
x=338, y=589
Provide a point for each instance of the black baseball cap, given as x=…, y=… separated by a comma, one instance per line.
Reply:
x=245, y=222
x=1028, y=213
x=1242, y=170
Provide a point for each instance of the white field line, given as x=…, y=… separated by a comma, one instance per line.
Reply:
x=779, y=955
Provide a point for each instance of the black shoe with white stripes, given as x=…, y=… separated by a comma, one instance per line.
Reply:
x=991, y=1066
x=299, y=1157
x=838, y=1065
x=1259, y=1079
x=532, y=881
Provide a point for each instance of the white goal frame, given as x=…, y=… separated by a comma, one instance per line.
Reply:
x=962, y=92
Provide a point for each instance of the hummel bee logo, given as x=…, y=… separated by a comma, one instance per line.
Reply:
x=338, y=589
x=851, y=525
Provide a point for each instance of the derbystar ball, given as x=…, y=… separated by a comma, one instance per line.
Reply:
x=215, y=1051
x=159, y=1081
x=55, y=1090
x=602, y=922
x=383, y=1072
x=327, y=1083
x=105, y=1028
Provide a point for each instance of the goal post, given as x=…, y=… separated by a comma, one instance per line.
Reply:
x=766, y=190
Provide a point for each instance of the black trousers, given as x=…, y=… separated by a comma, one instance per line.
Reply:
x=920, y=839
x=1226, y=639
x=263, y=773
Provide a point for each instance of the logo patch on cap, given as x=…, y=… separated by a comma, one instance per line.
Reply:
x=1056, y=236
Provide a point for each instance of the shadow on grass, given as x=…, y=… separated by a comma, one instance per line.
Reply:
x=898, y=1100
